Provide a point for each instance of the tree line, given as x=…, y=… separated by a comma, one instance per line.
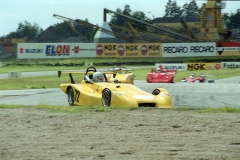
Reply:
x=172, y=9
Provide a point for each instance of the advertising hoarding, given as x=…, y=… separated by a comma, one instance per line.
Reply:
x=204, y=66
x=128, y=50
x=230, y=65
x=188, y=49
x=177, y=66
x=55, y=50
x=227, y=48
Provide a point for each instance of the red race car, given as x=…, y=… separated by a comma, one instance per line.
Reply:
x=161, y=75
x=201, y=79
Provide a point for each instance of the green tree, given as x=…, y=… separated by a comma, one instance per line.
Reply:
x=117, y=19
x=87, y=32
x=127, y=10
x=190, y=10
x=172, y=9
x=168, y=9
x=232, y=20
x=26, y=29
x=64, y=29
x=185, y=10
x=201, y=10
x=176, y=10
x=122, y=21
x=142, y=17
x=226, y=20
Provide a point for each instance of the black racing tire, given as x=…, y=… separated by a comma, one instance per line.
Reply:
x=106, y=97
x=156, y=92
x=132, y=81
x=70, y=96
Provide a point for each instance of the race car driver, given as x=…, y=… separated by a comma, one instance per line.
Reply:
x=98, y=77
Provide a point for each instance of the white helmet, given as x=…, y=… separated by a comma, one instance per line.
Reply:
x=118, y=70
x=98, y=77
x=158, y=69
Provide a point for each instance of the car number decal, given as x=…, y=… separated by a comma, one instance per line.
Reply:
x=77, y=94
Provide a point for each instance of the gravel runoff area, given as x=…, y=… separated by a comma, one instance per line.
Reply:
x=119, y=134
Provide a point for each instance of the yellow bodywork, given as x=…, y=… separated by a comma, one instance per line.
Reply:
x=121, y=78
x=124, y=95
x=111, y=92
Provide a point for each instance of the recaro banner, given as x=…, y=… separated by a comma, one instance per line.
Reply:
x=204, y=66
x=188, y=49
x=55, y=50
x=227, y=48
x=128, y=50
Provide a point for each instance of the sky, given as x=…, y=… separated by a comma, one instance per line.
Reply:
x=12, y=12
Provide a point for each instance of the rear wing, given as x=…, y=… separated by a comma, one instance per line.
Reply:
x=120, y=70
x=87, y=75
x=161, y=69
x=75, y=72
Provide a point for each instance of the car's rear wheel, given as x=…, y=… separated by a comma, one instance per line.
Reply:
x=106, y=97
x=132, y=80
x=70, y=96
x=173, y=78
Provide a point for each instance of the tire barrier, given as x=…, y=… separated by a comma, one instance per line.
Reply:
x=217, y=59
x=131, y=63
x=122, y=63
x=47, y=64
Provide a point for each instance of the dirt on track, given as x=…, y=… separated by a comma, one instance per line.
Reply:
x=119, y=134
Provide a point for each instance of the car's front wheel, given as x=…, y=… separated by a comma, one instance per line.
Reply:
x=70, y=96
x=106, y=97
x=156, y=92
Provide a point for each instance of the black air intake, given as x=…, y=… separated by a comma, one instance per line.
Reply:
x=146, y=104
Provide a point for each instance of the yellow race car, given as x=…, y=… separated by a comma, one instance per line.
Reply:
x=122, y=75
x=96, y=90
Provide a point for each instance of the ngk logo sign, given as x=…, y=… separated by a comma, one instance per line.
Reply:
x=120, y=50
x=203, y=66
x=144, y=50
x=99, y=50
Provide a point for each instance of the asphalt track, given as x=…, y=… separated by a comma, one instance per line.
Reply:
x=222, y=93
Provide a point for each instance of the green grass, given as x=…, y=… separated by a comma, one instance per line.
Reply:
x=15, y=68
x=32, y=83
x=67, y=109
x=96, y=109
x=211, y=74
x=217, y=110
x=39, y=64
x=54, y=81
x=212, y=110
x=135, y=59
